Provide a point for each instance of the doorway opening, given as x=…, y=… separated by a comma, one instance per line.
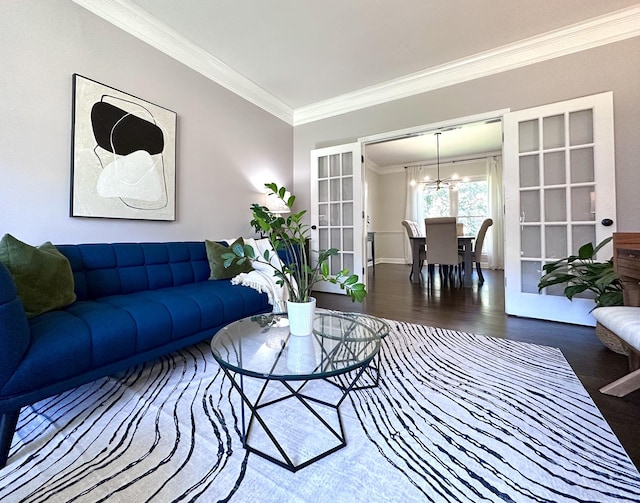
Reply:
x=460, y=162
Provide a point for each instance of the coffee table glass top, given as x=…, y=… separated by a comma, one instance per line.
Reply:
x=261, y=346
x=377, y=326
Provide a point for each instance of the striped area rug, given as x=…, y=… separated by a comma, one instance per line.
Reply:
x=456, y=417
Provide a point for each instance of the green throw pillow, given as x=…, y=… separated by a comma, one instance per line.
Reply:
x=42, y=275
x=216, y=262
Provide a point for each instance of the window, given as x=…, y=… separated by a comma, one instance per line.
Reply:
x=468, y=201
x=473, y=205
x=437, y=202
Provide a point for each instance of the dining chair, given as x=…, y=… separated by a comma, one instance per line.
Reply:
x=442, y=244
x=414, y=231
x=477, y=249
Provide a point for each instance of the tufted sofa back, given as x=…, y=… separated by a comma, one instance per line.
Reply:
x=106, y=269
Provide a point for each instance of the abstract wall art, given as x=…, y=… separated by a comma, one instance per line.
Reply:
x=123, y=155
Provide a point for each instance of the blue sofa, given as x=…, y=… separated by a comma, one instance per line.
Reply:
x=135, y=302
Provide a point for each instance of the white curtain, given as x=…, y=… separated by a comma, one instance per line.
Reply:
x=414, y=204
x=494, y=241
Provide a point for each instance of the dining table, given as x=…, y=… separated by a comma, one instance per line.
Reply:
x=465, y=245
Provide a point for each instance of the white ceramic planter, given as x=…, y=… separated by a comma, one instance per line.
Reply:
x=301, y=356
x=300, y=316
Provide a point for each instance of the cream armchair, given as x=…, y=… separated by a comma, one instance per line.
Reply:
x=414, y=231
x=442, y=244
x=477, y=249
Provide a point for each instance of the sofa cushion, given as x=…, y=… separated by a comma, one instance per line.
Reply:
x=42, y=275
x=216, y=262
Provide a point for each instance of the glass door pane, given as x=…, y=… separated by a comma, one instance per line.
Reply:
x=566, y=191
x=336, y=203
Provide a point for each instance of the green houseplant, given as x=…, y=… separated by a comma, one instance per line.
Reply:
x=289, y=235
x=581, y=273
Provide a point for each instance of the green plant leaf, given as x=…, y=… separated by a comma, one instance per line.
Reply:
x=602, y=244
x=272, y=186
x=554, y=279
x=586, y=251
x=352, y=280
x=573, y=290
x=249, y=252
x=238, y=249
x=611, y=299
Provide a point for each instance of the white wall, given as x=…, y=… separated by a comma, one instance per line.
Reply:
x=389, y=204
x=385, y=208
x=227, y=148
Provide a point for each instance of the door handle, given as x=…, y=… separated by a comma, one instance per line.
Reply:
x=607, y=222
x=314, y=227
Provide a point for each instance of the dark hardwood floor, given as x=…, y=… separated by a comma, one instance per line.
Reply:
x=480, y=310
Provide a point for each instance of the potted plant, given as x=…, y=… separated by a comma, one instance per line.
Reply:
x=288, y=236
x=581, y=273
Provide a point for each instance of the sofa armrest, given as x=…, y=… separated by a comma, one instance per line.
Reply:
x=15, y=335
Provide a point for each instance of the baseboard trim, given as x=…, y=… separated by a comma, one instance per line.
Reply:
x=398, y=261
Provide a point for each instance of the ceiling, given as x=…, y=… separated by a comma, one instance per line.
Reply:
x=298, y=58
x=456, y=143
x=305, y=51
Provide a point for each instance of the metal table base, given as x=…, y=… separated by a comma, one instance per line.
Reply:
x=305, y=400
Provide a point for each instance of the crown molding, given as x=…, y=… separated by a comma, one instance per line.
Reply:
x=613, y=27
x=137, y=22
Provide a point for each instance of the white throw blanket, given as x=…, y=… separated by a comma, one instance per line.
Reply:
x=262, y=278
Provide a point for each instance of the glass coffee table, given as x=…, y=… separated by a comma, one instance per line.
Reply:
x=293, y=385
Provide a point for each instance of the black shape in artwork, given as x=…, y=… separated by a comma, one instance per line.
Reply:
x=122, y=133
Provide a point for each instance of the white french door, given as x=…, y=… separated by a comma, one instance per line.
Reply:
x=336, y=209
x=559, y=181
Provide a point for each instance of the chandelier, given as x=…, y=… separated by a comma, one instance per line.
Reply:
x=438, y=183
